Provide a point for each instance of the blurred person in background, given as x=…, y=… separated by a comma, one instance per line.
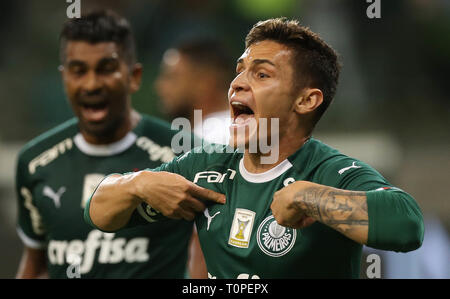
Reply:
x=195, y=75
x=57, y=171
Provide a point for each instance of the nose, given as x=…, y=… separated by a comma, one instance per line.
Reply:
x=91, y=83
x=240, y=83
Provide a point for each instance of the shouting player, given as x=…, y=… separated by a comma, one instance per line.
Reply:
x=305, y=215
x=58, y=170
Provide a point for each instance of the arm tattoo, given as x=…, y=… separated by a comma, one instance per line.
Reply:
x=342, y=210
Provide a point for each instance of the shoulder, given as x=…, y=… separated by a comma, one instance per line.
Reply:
x=326, y=165
x=59, y=138
x=315, y=155
x=210, y=155
x=333, y=161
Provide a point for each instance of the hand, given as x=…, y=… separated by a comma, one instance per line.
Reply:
x=173, y=195
x=286, y=209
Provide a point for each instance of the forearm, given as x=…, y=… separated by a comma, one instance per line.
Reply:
x=25, y=272
x=342, y=210
x=113, y=202
x=33, y=264
x=196, y=262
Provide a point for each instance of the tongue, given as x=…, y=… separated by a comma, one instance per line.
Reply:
x=242, y=118
x=94, y=114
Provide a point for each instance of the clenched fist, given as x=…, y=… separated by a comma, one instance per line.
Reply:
x=287, y=207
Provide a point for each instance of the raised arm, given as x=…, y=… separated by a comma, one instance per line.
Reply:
x=112, y=203
x=384, y=220
x=302, y=203
x=117, y=196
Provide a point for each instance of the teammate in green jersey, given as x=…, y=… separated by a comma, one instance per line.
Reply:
x=58, y=170
x=305, y=214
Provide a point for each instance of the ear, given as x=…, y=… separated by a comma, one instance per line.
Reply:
x=308, y=100
x=61, y=70
x=136, y=77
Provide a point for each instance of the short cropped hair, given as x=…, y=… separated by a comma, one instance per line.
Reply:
x=315, y=63
x=100, y=26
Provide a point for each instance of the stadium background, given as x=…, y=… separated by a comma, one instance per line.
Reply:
x=391, y=110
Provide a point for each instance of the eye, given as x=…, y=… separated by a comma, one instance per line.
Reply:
x=262, y=75
x=107, y=68
x=77, y=70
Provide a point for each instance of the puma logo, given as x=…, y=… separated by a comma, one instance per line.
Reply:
x=206, y=213
x=347, y=168
x=56, y=197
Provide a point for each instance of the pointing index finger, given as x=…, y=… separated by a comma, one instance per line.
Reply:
x=206, y=194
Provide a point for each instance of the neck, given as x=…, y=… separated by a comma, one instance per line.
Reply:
x=287, y=146
x=129, y=123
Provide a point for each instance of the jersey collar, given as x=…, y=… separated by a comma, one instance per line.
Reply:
x=105, y=150
x=264, y=176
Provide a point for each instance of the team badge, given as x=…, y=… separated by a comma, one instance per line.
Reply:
x=241, y=228
x=273, y=239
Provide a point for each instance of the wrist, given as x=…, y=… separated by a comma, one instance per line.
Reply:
x=308, y=199
x=141, y=184
x=134, y=183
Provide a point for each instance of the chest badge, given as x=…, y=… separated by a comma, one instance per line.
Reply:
x=241, y=228
x=273, y=239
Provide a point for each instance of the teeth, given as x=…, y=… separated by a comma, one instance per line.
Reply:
x=239, y=120
x=237, y=104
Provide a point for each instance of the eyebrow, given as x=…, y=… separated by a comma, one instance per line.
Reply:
x=107, y=59
x=102, y=61
x=257, y=61
x=75, y=62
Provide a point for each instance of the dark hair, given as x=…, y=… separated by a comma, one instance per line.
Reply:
x=209, y=53
x=100, y=26
x=315, y=63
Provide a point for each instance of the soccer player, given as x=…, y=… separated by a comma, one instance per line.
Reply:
x=305, y=215
x=195, y=75
x=57, y=171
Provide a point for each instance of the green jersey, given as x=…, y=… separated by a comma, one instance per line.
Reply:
x=56, y=174
x=241, y=238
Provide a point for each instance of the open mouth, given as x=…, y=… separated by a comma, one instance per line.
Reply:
x=94, y=112
x=241, y=112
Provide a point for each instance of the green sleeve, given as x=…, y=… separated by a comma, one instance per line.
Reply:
x=30, y=227
x=395, y=221
x=144, y=213
x=86, y=214
x=181, y=165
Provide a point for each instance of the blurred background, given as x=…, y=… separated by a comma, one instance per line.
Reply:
x=392, y=108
